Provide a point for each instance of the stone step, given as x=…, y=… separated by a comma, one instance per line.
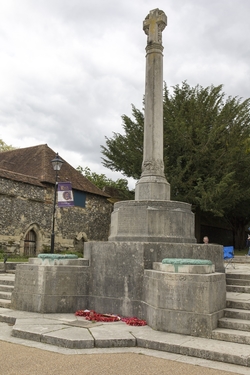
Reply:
x=217, y=350
x=5, y=303
x=84, y=335
x=6, y=288
x=236, y=324
x=238, y=304
x=238, y=276
x=7, y=279
x=233, y=281
x=237, y=314
x=5, y=295
x=238, y=288
x=243, y=259
x=231, y=336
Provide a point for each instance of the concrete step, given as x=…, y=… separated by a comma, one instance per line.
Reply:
x=231, y=336
x=7, y=279
x=237, y=314
x=238, y=304
x=239, y=276
x=5, y=303
x=5, y=295
x=233, y=281
x=236, y=324
x=238, y=288
x=238, y=300
x=6, y=288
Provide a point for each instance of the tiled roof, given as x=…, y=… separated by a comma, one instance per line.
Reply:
x=34, y=165
x=20, y=177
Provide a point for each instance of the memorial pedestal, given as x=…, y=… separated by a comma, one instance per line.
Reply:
x=185, y=302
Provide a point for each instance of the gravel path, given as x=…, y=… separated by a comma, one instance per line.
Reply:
x=22, y=360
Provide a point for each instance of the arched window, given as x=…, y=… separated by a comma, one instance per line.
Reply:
x=30, y=244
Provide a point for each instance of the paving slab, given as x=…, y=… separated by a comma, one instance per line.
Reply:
x=215, y=350
x=5, y=335
x=34, y=332
x=69, y=337
x=148, y=338
x=66, y=317
x=112, y=335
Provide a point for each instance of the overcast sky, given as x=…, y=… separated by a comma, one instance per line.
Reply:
x=69, y=69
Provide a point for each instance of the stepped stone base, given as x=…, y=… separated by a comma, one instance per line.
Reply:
x=152, y=221
x=118, y=278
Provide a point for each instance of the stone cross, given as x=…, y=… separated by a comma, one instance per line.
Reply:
x=152, y=184
x=154, y=24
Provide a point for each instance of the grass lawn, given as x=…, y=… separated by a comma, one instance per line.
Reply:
x=23, y=259
x=241, y=252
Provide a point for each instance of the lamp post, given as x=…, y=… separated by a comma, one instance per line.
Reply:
x=57, y=164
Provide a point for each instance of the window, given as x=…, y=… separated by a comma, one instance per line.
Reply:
x=79, y=198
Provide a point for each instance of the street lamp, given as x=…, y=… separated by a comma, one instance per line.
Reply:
x=57, y=164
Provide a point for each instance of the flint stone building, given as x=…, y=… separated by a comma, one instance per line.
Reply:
x=27, y=183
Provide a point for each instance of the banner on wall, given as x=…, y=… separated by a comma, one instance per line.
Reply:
x=65, y=194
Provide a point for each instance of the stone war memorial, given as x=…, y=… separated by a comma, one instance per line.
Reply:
x=151, y=266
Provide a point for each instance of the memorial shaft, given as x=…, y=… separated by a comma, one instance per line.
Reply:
x=152, y=184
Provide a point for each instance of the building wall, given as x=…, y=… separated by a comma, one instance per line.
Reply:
x=24, y=207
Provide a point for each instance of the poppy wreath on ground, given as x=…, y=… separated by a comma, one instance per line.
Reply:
x=134, y=321
x=96, y=317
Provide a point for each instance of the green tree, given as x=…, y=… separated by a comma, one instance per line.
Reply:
x=206, y=149
x=5, y=147
x=102, y=181
x=124, y=152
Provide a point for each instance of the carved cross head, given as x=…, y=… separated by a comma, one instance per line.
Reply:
x=154, y=24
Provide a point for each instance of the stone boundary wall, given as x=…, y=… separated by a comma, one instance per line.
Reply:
x=25, y=207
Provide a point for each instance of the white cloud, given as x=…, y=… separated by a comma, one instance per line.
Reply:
x=70, y=69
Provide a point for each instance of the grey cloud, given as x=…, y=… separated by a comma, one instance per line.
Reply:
x=70, y=69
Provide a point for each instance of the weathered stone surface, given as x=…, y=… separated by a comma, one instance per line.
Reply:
x=184, y=303
x=48, y=289
x=148, y=221
x=117, y=271
x=155, y=252
x=152, y=184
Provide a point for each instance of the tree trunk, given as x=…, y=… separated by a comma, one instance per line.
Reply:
x=197, y=229
x=239, y=234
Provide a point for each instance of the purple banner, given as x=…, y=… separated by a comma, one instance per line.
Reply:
x=65, y=194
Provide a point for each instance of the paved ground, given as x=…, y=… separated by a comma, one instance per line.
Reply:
x=22, y=360
x=20, y=356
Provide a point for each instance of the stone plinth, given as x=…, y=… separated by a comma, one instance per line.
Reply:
x=149, y=221
x=184, y=303
x=51, y=288
x=117, y=271
x=152, y=188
